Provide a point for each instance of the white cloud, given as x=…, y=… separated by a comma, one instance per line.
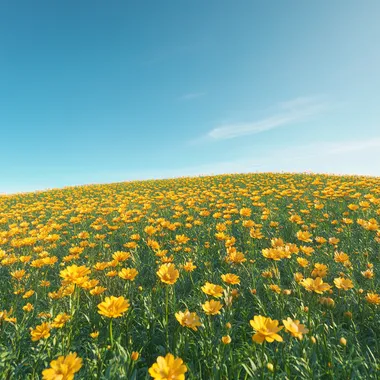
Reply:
x=192, y=95
x=359, y=157
x=340, y=157
x=293, y=111
x=352, y=146
x=301, y=101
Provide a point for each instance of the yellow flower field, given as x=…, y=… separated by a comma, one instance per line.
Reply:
x=221, y=277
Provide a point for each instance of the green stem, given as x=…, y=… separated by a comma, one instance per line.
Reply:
x=78, y=297
x=262, y=360
x=309, y=313
x=167, y=316
x=111, y=334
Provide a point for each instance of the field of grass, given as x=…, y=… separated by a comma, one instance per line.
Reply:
x=237, y=276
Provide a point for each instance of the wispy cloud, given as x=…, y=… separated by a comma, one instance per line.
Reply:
x=340, y=157
x=357, y=157
x=354, y=146
x=192, y=95
x=290, y=112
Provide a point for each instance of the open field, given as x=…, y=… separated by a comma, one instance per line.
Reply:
x=200, y=264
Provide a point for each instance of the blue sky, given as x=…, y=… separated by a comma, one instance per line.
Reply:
x=98, y=92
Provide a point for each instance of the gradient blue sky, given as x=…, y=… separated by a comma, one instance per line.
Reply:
x=105, y=91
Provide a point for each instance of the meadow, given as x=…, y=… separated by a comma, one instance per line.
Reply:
x=272, y=276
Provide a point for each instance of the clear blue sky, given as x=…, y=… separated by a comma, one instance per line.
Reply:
x=105, y=91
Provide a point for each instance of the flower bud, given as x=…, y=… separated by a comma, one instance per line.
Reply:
x=226, y=339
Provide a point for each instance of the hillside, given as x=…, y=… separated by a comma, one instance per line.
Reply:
x=238, y=276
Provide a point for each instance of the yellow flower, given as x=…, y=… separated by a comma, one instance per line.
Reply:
x=188, y=319
x=341, y=257
x=226, y=339
x=182, y=239
x=275, y=288
x=128, y=274
x=94, y=334
x=304, y=236
x=18, y=274
x=368, y=274
x=97, y=290
x=113, y=307
x=320, y=270
x=100, y=266
x=307, y=250
x=111, y=273
x=212, y=290
x=168, y=368
x=373, y=298
x=236, y=257
x=150, y=230
x=89, y=284
x=231, y=279
x=320, y=240
x=28, y=294
x=121, y=256
x=189, y=266
x=131, y=245
x=302, y=262
x=168, y=274
x=327, y=301
x=63, y=368
x=245, y=211
x=60, y=320
x=334, y=240
x=295, y=328
x=75, y=274
x=5, y=316
x=212, y=307
x=317, y=285
x=275, y=254
x=40, y=332
x=28, y=307
x=135, y=355
x=343, y=283
x=343, y=341
x=266, y=329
